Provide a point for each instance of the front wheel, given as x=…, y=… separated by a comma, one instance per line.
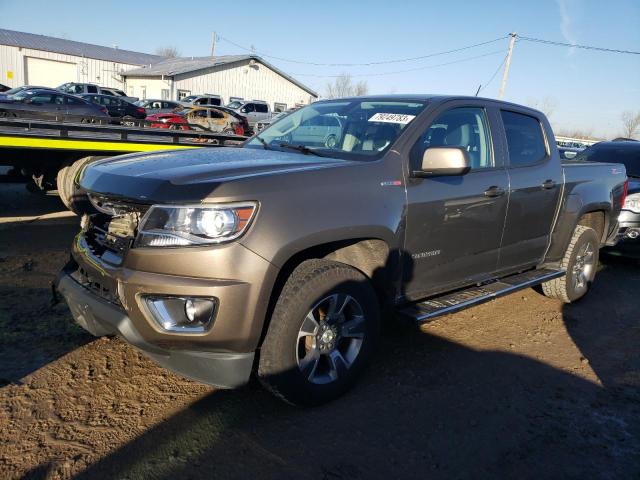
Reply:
x=580, y=262
x=322, y=333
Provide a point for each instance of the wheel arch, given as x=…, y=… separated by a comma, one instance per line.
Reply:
x=373, y=257
x=595, y=215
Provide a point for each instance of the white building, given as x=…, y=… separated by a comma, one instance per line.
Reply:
x=29, y=59
x=247, y=77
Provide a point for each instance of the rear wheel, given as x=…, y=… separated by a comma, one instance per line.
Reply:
x=70, y=192
x=322, y=333
x=580, y=262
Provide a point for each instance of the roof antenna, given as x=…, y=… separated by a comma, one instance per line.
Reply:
x=478, y=91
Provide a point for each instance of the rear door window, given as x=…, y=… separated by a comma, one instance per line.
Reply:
x=525, y=139
x=261, y=108
x=92, y=89
x=73, y=101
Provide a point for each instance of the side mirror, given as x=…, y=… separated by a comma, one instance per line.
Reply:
x=444, y=161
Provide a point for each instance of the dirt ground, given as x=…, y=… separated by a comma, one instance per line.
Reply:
x=522, y=387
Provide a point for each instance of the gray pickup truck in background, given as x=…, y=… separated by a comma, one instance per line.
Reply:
x=279, y=257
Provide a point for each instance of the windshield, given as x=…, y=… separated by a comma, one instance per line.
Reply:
x=627, y=153
x=190, y=98
x=22, y=94
x=235, y=104
x=342, y=128
x=14, y=91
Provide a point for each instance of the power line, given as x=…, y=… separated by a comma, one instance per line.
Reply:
x=367, y=64
x=575, y=45
x=402, y=71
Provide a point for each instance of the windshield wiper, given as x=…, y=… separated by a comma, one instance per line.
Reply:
x=265, y=145
x=300, y=148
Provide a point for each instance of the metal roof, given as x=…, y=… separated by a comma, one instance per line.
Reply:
x=70, y=47
x=182, y=65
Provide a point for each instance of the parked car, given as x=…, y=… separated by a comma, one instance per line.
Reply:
x=626, y=152
x=46, y=104
x=207, y=118
x=120, y=110
x=254, y=110
x=4, y=96
x=568, y=153
x=264, y=123
x=282, y=256
x=153, y=106
x=202, y=100
x=170, y=120
x=75, y=88
x=321, y=130
x=246, y=129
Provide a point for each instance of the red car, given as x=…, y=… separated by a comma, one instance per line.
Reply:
x=173, y=121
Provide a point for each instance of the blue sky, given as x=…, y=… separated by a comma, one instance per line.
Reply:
x=588, y=89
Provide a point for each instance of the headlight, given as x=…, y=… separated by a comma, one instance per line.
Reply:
x=178, y=226
x=632, y=203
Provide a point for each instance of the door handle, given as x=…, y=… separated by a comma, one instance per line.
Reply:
x=493, y=192
x=548, y=184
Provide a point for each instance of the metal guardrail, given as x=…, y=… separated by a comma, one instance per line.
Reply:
x=64, y=130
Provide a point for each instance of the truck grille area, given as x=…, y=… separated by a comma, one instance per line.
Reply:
x=94, y=286
x=109, y=237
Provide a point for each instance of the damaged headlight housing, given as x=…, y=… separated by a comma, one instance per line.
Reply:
x=632, y=202
x=180, y=226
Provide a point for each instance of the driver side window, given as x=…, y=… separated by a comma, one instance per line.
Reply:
x=465, y=127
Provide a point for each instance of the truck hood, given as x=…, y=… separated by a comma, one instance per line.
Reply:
x=191, y=175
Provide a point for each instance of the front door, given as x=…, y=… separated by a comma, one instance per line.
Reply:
x=455, y=223
x=535, y=187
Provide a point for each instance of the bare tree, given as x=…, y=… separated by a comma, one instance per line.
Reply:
x=168, y=52
x=343, y=86
x=547, y=105
x=630, y=123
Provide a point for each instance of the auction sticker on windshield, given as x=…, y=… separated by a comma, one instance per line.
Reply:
x=392, y=118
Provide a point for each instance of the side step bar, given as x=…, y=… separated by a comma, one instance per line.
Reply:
x=452, y=302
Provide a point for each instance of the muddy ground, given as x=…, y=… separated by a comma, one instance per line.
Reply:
x=522, y=387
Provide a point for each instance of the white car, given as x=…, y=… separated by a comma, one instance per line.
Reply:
x=322, y=130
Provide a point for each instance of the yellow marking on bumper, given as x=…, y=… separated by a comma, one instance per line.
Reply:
x=74, y=144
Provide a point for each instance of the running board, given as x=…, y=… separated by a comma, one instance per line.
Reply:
x=452, y=302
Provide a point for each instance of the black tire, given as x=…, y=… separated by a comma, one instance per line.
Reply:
x=74, y=197
x=312, y=283
x=569, y=288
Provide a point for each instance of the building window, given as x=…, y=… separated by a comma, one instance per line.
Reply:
x=143, y=94
x=132, y=91
x=279, y=107
x=183, y=93
x=164, y=94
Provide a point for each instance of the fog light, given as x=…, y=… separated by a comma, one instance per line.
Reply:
x=182, y=314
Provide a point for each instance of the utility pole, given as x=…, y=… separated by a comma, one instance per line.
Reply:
x=507, y=64
x=214, y=37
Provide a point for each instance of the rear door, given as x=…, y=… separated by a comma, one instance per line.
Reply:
x=76, y=106
x=455, y=223
x=250, y=111
x=535, y=177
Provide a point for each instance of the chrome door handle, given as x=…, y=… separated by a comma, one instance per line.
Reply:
x=548, y=184
x=493, y=192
